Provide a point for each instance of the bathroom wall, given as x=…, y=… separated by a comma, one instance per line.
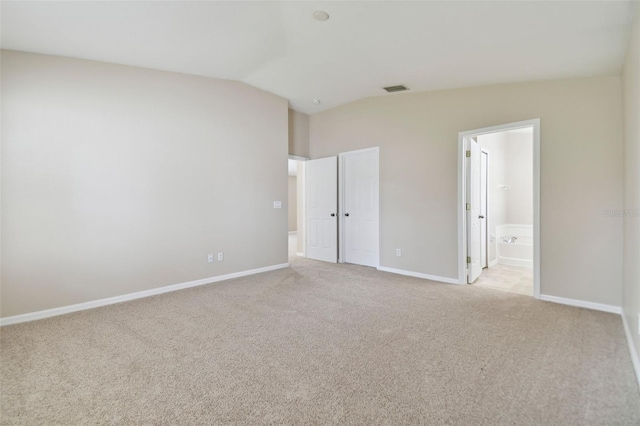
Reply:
x=519, y=176
x=495, y=144
x=510, y=163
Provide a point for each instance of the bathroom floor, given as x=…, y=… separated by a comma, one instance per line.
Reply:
x=515, y=279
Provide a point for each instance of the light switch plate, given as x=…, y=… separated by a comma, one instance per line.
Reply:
x=277, y=204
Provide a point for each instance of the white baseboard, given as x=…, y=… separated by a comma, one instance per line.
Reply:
x=32, y=316
x=632, y=348
x=293, y=232
x=582, y=304
x=494, y=262
x=419, y=275
x=299, y=254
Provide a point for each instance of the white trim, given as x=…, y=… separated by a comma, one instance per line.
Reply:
x=462, y=214
x=340, y=224
x=487, y=204
x=298, y=158
x=32, y=316
x=494, y=262
x=302, y=181
x=299, y=254
x=462, y=231
x=582, y=304
x=419, y=275
x=632, y=348
x=536, y=208
x=293, y=232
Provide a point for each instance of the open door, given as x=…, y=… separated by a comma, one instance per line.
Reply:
x=321, y=208
x=474, y=236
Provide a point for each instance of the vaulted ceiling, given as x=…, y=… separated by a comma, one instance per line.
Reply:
x=279, y=47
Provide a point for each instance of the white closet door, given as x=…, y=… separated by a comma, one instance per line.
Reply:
x=359, y=174
x=321, y=208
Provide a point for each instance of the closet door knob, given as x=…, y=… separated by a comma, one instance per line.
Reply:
x=333, y=214
x=480, y=217
x=346, y=214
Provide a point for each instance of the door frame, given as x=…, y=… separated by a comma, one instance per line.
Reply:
x=462, y=226
x=301, y=202
x=487, y=237
x=473, y=168
x=341, y=204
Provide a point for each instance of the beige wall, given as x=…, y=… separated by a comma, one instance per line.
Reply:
x=116, y=180
x=581, y=174
x=298, y=134
x=292, y=204
x=631, y=99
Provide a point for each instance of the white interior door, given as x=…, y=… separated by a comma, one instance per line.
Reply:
x=359, y=207
x=484, y=201
x=474, y=240
x=321, y=208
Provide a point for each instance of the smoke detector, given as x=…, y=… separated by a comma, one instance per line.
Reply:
x=320, y=15
x=393, y=89
x=316, y=101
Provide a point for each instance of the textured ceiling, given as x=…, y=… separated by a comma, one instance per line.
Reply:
x=364, y=46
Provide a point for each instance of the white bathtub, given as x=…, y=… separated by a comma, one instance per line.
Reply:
x=520, y=251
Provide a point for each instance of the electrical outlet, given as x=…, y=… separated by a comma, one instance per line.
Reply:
x=210, y=258
x=220, y=257
x=398, y=252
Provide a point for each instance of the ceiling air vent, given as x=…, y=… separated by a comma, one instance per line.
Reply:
x=393, y=89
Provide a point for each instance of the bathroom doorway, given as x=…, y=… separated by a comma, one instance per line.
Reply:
x=499, y=207
x=295, y=205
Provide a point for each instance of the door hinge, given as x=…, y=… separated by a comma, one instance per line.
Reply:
x=468, y=206
x=468, y=259
x=468, y=153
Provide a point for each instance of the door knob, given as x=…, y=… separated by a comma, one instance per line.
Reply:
x=333, y=214
x=346, y=214
x=480, y=217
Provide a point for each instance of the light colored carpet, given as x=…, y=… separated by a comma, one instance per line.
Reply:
x=321, y=344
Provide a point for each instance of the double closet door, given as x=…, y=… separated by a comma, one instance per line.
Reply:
x=341, y=208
